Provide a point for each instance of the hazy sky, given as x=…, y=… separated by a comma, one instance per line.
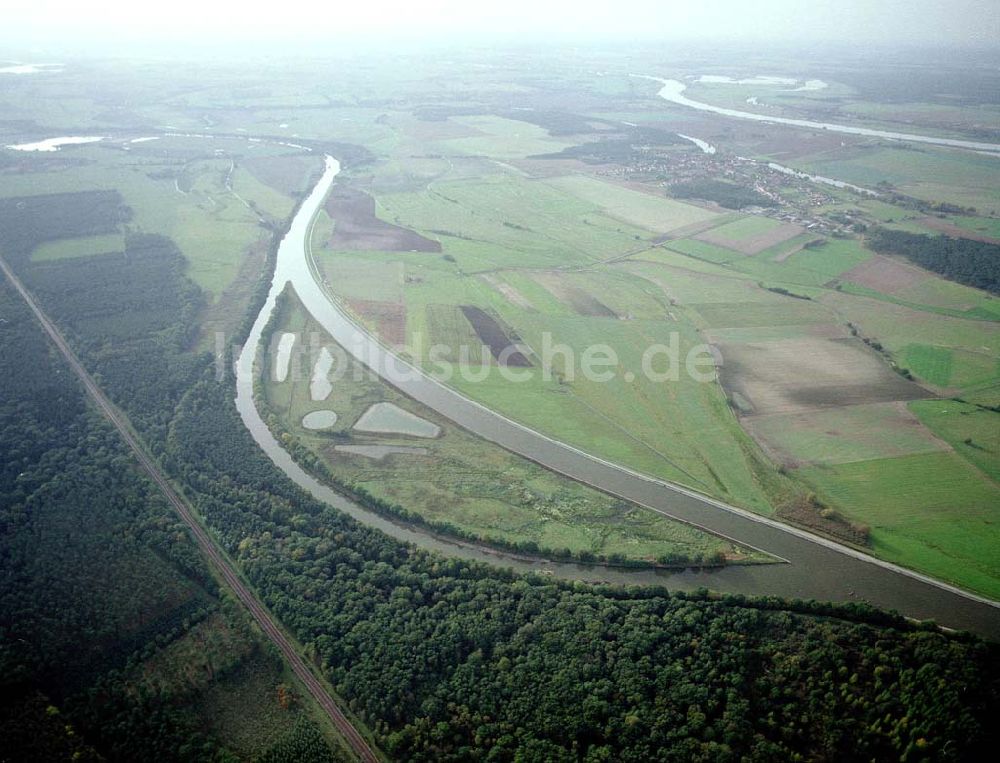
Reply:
x=51, y=23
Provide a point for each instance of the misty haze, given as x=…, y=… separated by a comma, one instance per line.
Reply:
x=526, y=382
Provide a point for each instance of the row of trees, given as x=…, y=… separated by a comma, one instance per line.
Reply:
x=973, y=263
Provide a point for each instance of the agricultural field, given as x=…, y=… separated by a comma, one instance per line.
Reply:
x=193, y=190
x=934, y=512
x=750, y=235
x=447, y=477
x=503, y=138
x=532, y=299
x=458, y=233
x=795, y=318
x=197, y=192
x=812, y=331
x=926, y=173
x=970, y=429
x=84, y=246
x=651, y=212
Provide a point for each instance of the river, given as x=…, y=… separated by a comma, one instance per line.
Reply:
x=673, y=91
x=814, y=568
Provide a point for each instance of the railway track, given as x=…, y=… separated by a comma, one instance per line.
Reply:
x=205, y=542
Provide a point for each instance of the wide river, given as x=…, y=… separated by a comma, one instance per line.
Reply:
x=813, y=568
x=673, y=91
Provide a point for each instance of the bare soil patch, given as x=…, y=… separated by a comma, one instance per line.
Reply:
x=885, y=274
x=953, y=230
x=828, y=331
x=493, y=335
x=509, y=293
x=287, y=174
x=357, y=228
x=793, y=375
x=389, y=318
x=753, y=244
x=582, y=302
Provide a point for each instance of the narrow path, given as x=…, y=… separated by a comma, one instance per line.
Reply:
x=207, y=545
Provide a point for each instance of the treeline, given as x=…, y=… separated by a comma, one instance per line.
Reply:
x=628, y=147
x=452, y=660
x=973, y=263
x=134, y=315
x=728, y=195
x=27, y=221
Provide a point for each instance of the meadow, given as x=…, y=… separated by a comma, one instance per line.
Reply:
x=574, y=252
x=574, y=259
x=450, y=481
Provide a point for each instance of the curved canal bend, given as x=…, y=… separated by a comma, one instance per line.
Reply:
x=672, y=90
x=816, y=568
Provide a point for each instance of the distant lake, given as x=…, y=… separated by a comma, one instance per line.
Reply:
x=54, y=144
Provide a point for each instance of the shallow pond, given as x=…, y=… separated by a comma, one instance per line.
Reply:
x=388, y=418
x=319, y=420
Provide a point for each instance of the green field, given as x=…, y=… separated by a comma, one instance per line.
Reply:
x=703, y=250
x=505, y=220
x=833, y=257
x=646, y=210
x=175, y=187
x=974, y=344
x=504, y=138
x=845, y=434
x=129, y=642
x=452, y=480
x=986, y=226
x=933, y=512
x=927, y=173
x=972, y=431
x=530, y=252
x=745, y=227
x=84, y=246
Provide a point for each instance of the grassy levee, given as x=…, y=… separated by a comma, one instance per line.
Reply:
x=449, y=482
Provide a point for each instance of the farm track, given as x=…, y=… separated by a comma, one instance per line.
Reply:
x=205, y=542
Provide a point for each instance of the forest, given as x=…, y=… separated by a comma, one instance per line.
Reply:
x=973, y=263
x=724, y=194
x=443, y=659
x=114, y=636
x=99, y=581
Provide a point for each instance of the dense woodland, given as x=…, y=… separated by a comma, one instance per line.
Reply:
x=973, y=263
x=728, y=195
x=103, y=596
x=450, y=660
